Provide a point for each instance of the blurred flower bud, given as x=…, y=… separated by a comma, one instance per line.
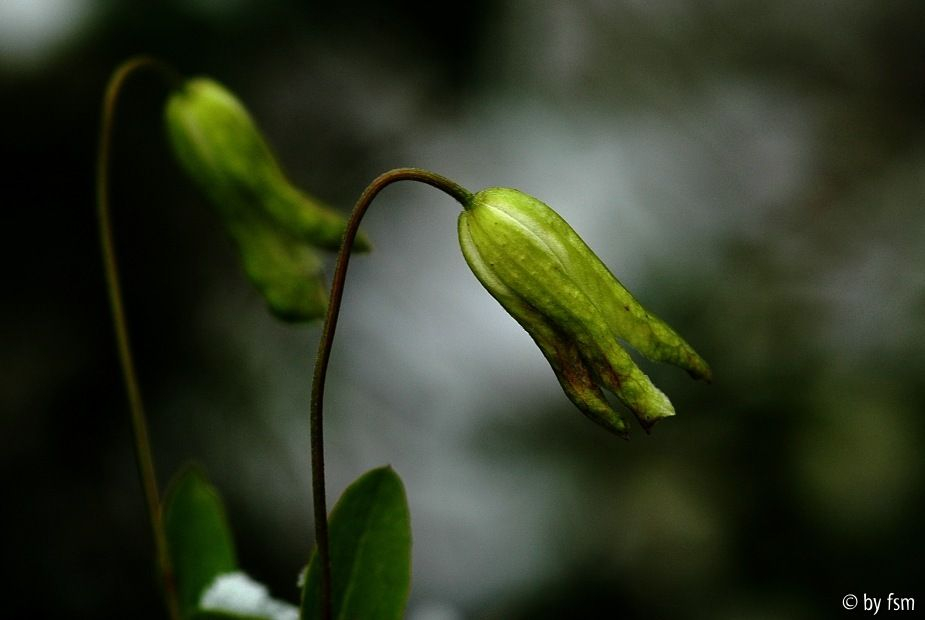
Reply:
x=547, y=278
x=274, y=224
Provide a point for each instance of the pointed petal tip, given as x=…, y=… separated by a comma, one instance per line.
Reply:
x=605, y=417
x=699, y=370
x=621, y=430
x=706, y=375
x=647, y=425
x=647, y=419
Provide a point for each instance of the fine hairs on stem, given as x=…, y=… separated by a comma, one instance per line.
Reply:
x=142, y=443
x=316, y=416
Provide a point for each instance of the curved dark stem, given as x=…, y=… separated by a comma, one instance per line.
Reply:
x=464, y=197
x=143, y=453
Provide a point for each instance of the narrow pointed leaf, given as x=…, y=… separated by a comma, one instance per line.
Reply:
x=370, y=535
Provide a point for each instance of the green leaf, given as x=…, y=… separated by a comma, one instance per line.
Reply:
x=198, y=536
x=370, y=534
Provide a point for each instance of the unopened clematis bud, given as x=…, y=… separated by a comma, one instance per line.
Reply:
x=275, y=225
x=547, y=278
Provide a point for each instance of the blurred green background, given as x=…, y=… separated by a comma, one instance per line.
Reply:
x=754, y=172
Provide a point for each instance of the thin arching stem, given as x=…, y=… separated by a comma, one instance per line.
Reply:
x=464, y=197
x=143, y=453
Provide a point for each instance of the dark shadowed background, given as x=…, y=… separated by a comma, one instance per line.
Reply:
x=754, y=172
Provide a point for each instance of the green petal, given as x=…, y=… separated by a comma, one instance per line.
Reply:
x=571, y=370
x=287, y=273
x=218, y=145
x=532, y=265
x=627, y=318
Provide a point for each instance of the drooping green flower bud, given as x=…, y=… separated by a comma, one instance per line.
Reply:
x=274, y=225
x=547, y=278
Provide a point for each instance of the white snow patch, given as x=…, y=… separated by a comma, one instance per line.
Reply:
x=239, y=594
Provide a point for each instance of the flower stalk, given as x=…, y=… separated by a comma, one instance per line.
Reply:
x=316, y=414
x=525, y=255
x=143, y=453
x=543, y=274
